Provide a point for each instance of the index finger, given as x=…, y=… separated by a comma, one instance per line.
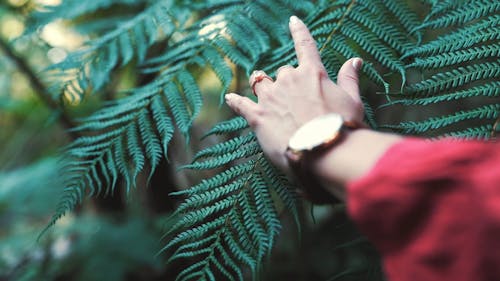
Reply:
x=305, y=46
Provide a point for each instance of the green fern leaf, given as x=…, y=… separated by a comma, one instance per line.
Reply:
x=484, y=112
x=491, y=90
x=94, y=64
x=135, y=151
x=222, y=70
x=191, y=92
x=464, y=37
x=463, y=14
x=163, y=122
x=225, y=147
x=480, y=132
x=233, y=125
x=457, y=57
x=178, y=107
x=221, y=160
x=149, y=139
x=456, y=77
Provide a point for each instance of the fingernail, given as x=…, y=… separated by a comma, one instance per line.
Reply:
x=357, y=63
x=294, y=20
x=229, y=96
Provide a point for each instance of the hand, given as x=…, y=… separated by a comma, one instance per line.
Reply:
x=297, y=96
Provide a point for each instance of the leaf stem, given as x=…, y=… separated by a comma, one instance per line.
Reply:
x=39, y=88
x=339, y=23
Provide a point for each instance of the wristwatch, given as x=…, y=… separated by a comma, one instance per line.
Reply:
x=311, y=139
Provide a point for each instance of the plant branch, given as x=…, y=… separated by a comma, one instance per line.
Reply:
x=39, y=88
x=339, y=23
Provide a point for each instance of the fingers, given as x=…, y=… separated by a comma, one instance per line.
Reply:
x=243, y=106
x=305, y=46
x=284, y=70
x=348, y=78
x=260, y=82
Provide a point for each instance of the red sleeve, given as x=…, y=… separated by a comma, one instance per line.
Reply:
x=432, y=209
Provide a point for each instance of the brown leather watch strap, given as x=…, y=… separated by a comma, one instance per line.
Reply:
x=300, y=163
x=311, y=187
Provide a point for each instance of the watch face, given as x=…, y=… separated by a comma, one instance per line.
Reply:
x=316, y=132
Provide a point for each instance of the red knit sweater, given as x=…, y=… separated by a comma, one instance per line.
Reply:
x=432, y=209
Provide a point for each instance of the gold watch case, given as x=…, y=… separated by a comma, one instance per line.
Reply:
x=320, y=132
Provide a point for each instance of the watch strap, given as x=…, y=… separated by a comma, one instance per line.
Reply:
x=311, y=187
x=300, y=164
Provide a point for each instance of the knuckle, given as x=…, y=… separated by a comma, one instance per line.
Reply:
x=262, y=89
x=285, y=76
x=306, y=42
x=358, y=106
x=348, y=76
x=320, y=71
x=284, y=71
x=316, y=70
x=254, y=120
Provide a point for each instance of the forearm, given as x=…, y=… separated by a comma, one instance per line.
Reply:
x=351, y=158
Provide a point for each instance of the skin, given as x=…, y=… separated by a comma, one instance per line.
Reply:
x=302, y=93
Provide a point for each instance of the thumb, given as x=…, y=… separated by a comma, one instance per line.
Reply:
x=348, y=78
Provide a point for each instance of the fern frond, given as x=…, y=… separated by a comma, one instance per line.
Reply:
x=221, y=160
x=242, y=201
x=370, y=44
x=128, y=131
x=491, y=90
x=369, y=114
x=389, y=33
x=149, y=139
x=134, y=148
x=191, y=92
x=456, y=78
x=247, y=224
x=163, y=122
x=457, y=57
x=225, y=127
x=178, y=108
x=235, y=55
x=225, y=147
x=220, y=67
x=481, y=132
x=341, y=46
x=405, y=15
x=241, y=29
x=71, y=9
x=140, y=124
x=439, y=7
x=178, y=56
x=92, y=65
x=462, y=14
x=484, y=112
x=464, y=37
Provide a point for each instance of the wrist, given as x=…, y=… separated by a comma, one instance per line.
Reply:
x=353, y=157
x=308, y=143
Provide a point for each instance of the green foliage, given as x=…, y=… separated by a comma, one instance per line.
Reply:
x=18, y=189
x=89, y=247
x=231, y=219
x=246, y=220
x=91, y=67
